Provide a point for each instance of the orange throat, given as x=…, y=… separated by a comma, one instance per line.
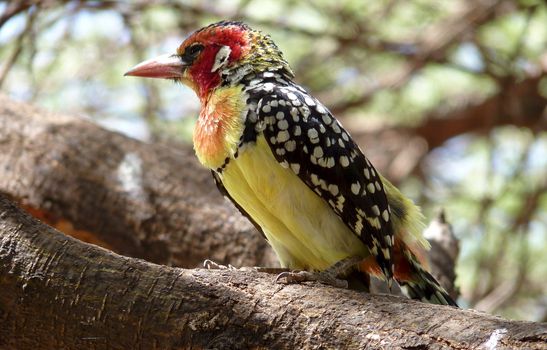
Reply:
x=219, y=127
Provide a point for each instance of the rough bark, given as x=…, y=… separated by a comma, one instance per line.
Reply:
x=58, y=292
x=143, y=200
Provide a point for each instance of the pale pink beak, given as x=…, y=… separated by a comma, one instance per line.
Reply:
x=164, y=66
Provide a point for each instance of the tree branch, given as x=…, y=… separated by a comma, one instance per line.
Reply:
x=57, y=292
x=143, y=200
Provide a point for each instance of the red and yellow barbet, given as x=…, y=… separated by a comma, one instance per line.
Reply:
x=288, y=164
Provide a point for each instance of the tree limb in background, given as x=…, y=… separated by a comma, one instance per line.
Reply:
x=72, y=295
x=143, y=200
x=520, y=104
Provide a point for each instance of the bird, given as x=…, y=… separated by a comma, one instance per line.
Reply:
x=291, y=168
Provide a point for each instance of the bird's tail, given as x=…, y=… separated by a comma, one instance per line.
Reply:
x=418, y=283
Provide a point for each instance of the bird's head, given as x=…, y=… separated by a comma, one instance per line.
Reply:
x=219, y=54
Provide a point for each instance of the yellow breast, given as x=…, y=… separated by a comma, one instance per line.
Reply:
x=302, y=229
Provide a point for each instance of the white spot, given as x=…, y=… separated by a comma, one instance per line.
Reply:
x=221, y=58
x=372, y=171
x=314, y=160
x=322, y=128
x=359, y=224
x=385, y=251
x=336, y=128
x=341, y=143
x=280, y=115
x=283, y=124
x=254, y=82
x=333, y=189
x=377, y=184
x=305, y=111
x=385, y=215
x=129, y=174
x=340, y=203
x=376, y=210
x=318, y=152
x=312, y=133
x=295, y=168
x=291, y=96
x=268, y=86
x=326, y=119
x=355, y=188
x=282, y=102
x=309, y=101
x=297, y=130
x=268, y=75
x=345, y=136
x=314, y=179
x=260, y=126
x=284, y=164
x=269, y=120
x=344, y=161
x=266, y=109
x=274, y=102
x=323, y=185
x=283, y=136
x=294, y=114
x=290, y=145
x=321, y=109
x=367, y=174
x=280, y=151
x=273, y=140
x=370, y=187
x=330, y=162
x=495, y=337
x=296, y=103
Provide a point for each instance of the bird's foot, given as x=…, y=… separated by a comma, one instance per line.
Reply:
x=211, y=265
x=324, y=277
x=330, y=276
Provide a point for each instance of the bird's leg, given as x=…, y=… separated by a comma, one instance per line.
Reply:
x=330, y=276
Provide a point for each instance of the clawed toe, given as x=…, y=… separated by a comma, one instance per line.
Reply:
x=306, y=276
x=211, y=265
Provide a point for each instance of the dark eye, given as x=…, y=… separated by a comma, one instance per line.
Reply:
x=193, y=51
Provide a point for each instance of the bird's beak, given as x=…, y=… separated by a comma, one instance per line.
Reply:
x=164, y=66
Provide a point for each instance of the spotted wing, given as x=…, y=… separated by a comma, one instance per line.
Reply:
x=304, y=136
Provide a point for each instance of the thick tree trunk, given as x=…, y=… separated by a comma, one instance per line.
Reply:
x=59, y=293
x=149, y=201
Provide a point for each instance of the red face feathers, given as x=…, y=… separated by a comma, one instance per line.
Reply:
x=220, y=52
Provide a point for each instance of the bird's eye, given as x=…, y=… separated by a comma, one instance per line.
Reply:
x=194, y=50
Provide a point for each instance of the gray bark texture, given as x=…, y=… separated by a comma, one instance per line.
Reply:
x=149, y=201
x=153, y=202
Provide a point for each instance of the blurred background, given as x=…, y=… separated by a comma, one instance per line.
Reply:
x=448, y=99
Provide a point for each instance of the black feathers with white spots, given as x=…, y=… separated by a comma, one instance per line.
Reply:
x=304, y=136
